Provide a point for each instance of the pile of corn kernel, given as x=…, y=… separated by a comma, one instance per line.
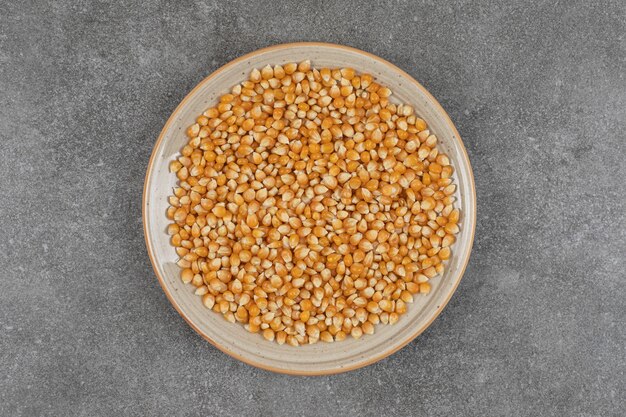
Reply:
x=309, y=206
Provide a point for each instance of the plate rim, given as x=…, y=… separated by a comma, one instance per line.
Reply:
x=358, y=364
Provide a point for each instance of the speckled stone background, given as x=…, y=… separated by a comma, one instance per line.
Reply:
x=537, y=90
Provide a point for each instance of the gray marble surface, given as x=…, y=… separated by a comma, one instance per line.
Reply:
x=537, y=90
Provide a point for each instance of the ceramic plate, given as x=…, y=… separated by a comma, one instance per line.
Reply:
x=233, y=339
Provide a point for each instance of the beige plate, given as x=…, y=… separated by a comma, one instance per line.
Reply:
x=320, y=358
